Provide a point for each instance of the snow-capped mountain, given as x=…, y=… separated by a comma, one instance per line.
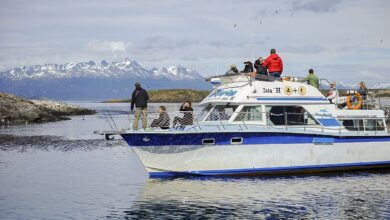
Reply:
x=95, y=80
x=126, y=68
x=382, y=86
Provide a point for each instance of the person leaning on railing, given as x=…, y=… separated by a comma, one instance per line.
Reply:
x=312, y=79
x=363, y=90
x=187, y=118
x=163, y=119
x=333, y=94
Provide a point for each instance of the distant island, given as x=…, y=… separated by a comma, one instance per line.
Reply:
x=377, y=93
x=380, y=92
x=179, y=95
x=170, y=96
x=18, y=110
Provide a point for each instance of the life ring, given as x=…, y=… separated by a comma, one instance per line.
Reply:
x=358, y=105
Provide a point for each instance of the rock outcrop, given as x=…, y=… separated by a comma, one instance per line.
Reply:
x=17, y=110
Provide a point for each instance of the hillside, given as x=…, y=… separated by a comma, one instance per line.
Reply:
x=171, y=95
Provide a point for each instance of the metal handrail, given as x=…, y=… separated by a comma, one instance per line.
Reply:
x=289, y=122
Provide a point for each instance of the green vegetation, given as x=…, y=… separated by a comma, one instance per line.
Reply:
x=171, y=96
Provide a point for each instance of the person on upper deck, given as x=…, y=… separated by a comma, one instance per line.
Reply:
x=188, y=117
x=274, y=64
x=312, y=79
x=260, y=69
x=248, y=67
x=163, y=119
x=333, y=94
x=363, y=90
x=233, y=70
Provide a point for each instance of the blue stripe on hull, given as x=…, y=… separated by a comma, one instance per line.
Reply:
x=145, y=139
x=278, y=170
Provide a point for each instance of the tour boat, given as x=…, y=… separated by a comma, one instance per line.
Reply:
x=266, y=126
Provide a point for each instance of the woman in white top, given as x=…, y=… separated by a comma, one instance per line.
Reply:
x=333, y=94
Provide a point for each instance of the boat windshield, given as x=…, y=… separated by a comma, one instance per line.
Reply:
x=205, y=112
x=221, y=112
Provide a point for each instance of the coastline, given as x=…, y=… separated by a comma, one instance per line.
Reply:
x=16, y=110
x=169, y=96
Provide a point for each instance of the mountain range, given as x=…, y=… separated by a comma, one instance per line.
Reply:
x=95, y=81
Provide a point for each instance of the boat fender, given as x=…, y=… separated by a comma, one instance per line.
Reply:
x=359, y=103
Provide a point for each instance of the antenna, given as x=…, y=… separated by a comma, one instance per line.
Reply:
x=253, y=58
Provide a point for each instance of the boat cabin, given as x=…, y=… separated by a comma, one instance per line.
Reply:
x=282, y=103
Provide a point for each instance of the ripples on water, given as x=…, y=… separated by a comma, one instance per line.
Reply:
x=358, y=196
x=59, y=176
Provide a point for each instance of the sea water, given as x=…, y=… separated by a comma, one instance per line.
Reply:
x=62, y=170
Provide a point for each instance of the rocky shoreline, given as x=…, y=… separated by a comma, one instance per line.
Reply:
x=17, y=110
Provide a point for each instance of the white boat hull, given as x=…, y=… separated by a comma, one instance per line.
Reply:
x=261, y=158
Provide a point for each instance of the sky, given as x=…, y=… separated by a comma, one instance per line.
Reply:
x=343, y=40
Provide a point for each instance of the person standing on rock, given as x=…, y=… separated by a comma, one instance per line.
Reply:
x=140, y=99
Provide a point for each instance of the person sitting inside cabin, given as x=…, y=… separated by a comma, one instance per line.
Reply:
x=333, y=94
x=363, y=90
x=218, y=114
x=187, y=118
x=260, y=70
x=248, y=67
x=312, y=79
x=232, y=71
x=163, y=119
x=274, y=64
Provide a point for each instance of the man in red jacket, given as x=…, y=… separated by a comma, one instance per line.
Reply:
x=274, y=64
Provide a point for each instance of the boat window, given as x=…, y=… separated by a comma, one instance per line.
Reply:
x=208, y=141
x=221, y=112
x=290, y=115
x=236, y=140
x=250, y=113
x=364, y=124
x=353, y=125
x=205, y=111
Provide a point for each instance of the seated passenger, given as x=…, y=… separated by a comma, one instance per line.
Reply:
x=218, y=114
x=233, y=70
x=260, y=70
x=187, y=118
x=163, y=119
x=274, y=64
x=248, y=67
x=333, y=94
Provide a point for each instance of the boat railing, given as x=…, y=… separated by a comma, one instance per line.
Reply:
x=251, y=121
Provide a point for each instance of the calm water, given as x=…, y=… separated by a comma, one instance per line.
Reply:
x=62, y=170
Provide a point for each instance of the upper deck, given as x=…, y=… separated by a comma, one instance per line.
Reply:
x=239, y=103
x=246, y=90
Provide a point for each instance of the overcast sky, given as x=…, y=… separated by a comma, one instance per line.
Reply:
x=345, y=41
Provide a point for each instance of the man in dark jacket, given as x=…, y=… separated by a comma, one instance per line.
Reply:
x=140, y=99
x=274, y=64
x=248, y=67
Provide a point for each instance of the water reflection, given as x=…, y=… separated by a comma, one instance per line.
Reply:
x=363, y=196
